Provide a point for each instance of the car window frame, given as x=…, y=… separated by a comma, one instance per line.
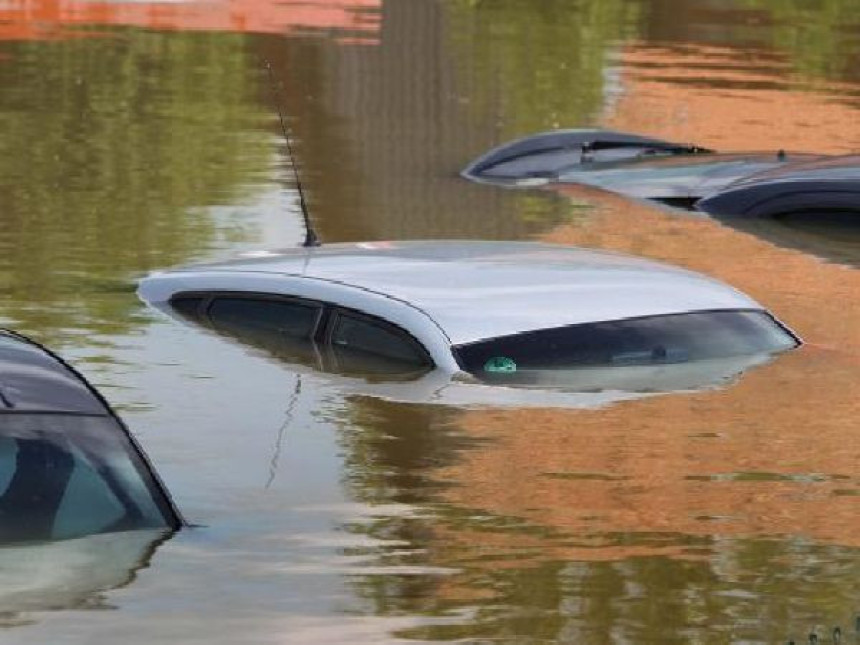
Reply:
x=207, y=298
x=324, y=326
x=337, y=311
x=203, y=317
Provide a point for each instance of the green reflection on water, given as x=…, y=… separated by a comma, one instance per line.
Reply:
x=817, y=35
x=750, y=591
x=500, y=580
x=540, y=65
x=508, y=579
x=391, y=450
x=112, y=148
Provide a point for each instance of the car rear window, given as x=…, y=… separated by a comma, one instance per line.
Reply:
x=653, y=340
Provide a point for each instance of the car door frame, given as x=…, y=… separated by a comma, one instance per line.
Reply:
x=208, y=297
x=323, y=329
x=418, y=323
x=330, y=321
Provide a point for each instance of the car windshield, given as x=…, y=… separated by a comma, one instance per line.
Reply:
x=647, y=341
x=65, y=476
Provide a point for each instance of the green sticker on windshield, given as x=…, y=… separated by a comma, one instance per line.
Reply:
x=500, y=364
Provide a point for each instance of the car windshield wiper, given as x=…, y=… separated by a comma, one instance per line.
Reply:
x=588, y=148
x=647, y=149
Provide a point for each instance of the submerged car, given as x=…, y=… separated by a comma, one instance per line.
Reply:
x=451, y=315
x=750, y=184
x=68, y=466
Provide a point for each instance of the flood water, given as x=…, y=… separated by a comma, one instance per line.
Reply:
x=136, y=136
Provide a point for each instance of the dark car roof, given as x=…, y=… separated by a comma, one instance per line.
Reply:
x=826, y=169
x=679, y=176
x=34, y=380
x=829, y=184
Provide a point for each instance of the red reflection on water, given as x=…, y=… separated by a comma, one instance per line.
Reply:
x=352, y=21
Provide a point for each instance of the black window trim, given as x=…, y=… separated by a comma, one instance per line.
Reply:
x=397, y=330
x=326, y=319
x=208, y=298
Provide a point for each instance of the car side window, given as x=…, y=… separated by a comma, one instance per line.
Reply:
x=287, y=318
x=281, y=326
x=362, y=344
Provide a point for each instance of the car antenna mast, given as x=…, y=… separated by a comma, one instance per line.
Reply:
x=311, y=238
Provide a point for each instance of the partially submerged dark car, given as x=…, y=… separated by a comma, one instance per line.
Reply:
x=687, y=176
x=68, y=466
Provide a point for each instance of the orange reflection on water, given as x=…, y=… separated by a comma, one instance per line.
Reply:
x=732, y=99
x=774, y=454
x=352, y=21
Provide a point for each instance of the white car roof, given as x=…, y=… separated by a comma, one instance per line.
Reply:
x=479, y=290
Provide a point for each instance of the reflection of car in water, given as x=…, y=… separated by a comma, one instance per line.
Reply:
x=71, y=573
x=833, y=236
x=446, y=320
x=80, y=507
x=810, y=202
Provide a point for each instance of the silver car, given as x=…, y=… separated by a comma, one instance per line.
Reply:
x=496, y=313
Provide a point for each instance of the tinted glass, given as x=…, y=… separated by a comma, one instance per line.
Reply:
x=188, y=307
x=66, y=476
x=368, y=345
x=282, y=327
x=280, y=318
x=655, y=340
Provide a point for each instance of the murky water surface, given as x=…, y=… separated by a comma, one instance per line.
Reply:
x=142, y=135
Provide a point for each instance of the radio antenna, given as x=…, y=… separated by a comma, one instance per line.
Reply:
x=311, y=238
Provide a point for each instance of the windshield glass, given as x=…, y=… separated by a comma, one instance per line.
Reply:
x=647, y=341
x=66, y=476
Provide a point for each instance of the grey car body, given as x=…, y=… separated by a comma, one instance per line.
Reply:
x=813, y=186
x=748, y=184
x=415, y=319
